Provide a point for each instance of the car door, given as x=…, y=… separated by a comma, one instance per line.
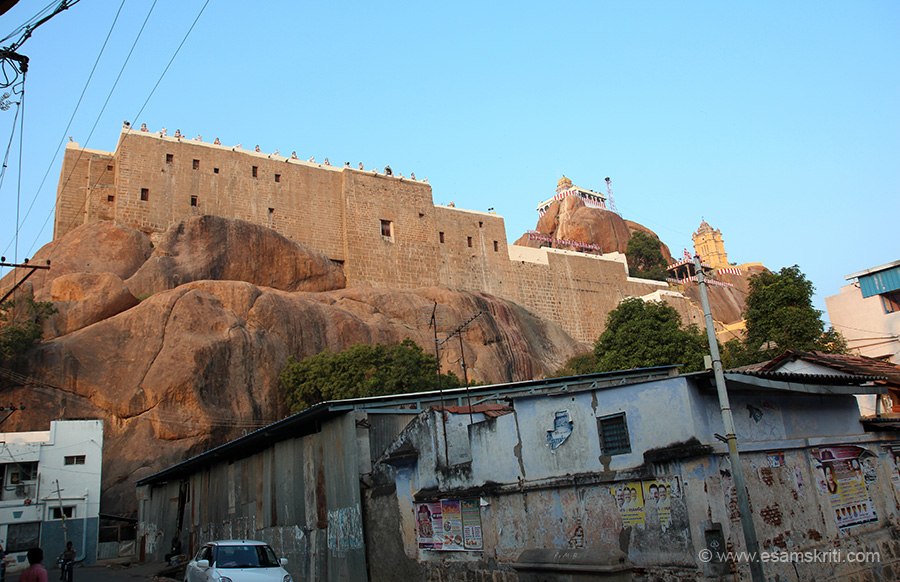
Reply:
x=194, y=572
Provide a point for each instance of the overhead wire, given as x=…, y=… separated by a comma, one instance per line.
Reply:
x=66, y=131
x=29, y=22
x=134, y=119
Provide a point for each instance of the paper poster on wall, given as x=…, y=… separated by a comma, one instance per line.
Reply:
x=429, y=525
x=894, y=452
x=449, y=525
x=471, y=518
x=634, y=497
x=841, y=479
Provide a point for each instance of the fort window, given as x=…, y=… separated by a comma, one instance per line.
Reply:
x=215, y=170
x=110, y=198
x=196, y=164
x=193, y=201
x=278, y=177
x=145, y=194
x=480, y=224
x=109, y=168
x=496, y=247
x=387, y=229
x=469, y=239
x=255, y=171
x=170, y=158
x=614, y=434
x=441, y=237
x=271, y=211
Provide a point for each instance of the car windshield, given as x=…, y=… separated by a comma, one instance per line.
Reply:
x=245, y=556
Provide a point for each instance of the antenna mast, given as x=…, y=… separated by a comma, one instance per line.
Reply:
x=609, y=197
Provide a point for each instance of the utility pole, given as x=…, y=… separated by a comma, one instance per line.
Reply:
x=62, y=514
x=458, y=332
x=756, y=570
x=437, y=354
x=25, y=265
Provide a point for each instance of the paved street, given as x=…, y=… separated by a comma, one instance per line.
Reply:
x=107, y=573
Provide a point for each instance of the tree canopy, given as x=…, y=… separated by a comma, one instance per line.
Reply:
x=780, y=316
x=20, y=325
x=642, y=334
x=645, y=257
x=359, y=371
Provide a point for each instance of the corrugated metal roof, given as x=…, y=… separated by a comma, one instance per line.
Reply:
x=880, y=282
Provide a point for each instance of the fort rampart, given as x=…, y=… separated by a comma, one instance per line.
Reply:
x=384, y=230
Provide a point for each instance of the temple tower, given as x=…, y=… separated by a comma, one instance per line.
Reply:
x=708, y=244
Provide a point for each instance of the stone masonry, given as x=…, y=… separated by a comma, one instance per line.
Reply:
x=384, y=230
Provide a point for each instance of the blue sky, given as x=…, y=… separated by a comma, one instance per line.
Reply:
x=779, y=123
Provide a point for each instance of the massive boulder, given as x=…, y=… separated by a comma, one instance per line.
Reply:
x=95, y=247
x=570, y=219
x=190, y=367
x=211, y=247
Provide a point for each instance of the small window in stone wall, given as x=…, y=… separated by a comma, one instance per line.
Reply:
x=469, y=240
x=215, y=170
x=109, y=168
x=441, y=237
x=196, y=164
x=194, y=201
x=170, y=158
x=496, y=246
x=387, y=229
x=145, y=194
x=614, y=434
x=278, y=177
x=110, y=198
x=255, y=172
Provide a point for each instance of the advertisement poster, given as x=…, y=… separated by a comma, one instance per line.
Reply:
x=895, y=466
x=452, y=525
x=841, y=478
x=633, y=498
x=449, y=525
x=471, y=518
x=430, y=526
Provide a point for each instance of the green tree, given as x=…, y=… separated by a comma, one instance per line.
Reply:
x=20, y=325
x=361, y=370
x=645, y=257
x=641, y=334
x=780, y=316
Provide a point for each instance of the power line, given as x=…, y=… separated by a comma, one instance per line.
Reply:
x=66, y=131
x=134, y=119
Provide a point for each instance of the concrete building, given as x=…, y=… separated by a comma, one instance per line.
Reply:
x=614, y=474
x=51, y=490
x=867, y=312
x=384, y=230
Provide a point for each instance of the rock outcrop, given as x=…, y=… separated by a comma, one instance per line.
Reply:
x=570, y=219
x=195, y=363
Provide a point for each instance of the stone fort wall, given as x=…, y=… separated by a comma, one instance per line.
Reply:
x=384, y=230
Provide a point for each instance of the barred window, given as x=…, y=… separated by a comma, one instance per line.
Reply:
x=614, y=434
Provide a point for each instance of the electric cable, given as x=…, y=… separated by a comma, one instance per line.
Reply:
x=71, y=119
x=134, y=119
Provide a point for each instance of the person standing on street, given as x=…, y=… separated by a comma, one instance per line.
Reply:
x=35, y=572
x=67, y=563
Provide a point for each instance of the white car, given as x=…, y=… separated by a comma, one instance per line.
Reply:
x=236, y=561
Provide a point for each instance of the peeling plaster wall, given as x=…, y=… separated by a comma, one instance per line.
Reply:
x=535, y=497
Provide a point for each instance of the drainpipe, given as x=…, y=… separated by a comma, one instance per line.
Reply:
x=84, y=529
x=756, y=570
